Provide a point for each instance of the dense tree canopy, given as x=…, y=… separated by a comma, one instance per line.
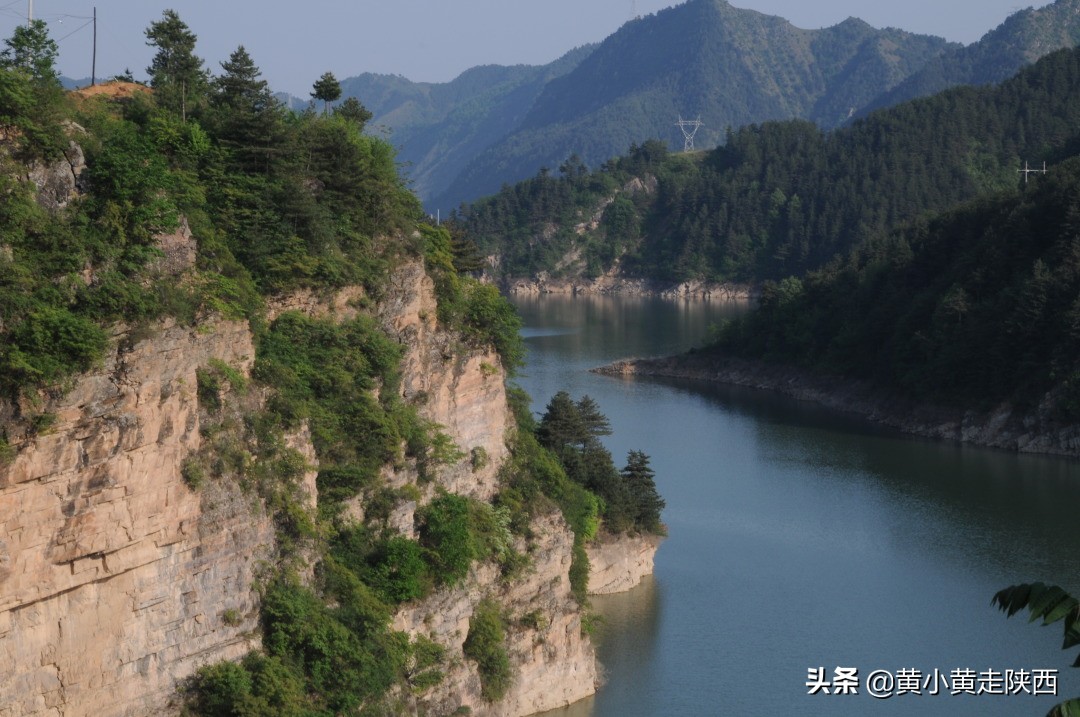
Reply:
x=572, y=430
x=32, y=50
x=782, y=198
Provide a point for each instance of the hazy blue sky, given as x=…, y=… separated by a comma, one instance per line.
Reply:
x=294, y=41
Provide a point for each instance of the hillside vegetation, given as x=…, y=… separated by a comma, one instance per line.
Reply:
x=730, y=66
x=781, y=198
x=1022, y=39
x=704, y=57
x=973, y=307
x=276, y=202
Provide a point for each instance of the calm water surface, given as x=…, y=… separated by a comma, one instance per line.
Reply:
x=800, y=537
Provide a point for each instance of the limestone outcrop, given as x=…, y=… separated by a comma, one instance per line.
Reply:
x=460, y=388
x=554, y=664
x=117, y=579
x=613, y=283
x=618, y=563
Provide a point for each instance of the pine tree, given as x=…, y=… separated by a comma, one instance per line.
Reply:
x=31, y=97
x=327, y=89
x=646, y=503
x=596, y=423
x=353, y=111
x=176, y=74
x=561, y=425
x=244, y=113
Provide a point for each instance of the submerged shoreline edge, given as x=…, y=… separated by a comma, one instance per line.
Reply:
x=1006, y=426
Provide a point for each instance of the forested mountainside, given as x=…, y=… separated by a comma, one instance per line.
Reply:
x=1022, y=39
x=703, y=58
x=496, y=125
x=972, y=307
x=781, y=198
x=254, y=430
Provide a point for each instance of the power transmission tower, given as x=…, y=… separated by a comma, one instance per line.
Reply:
x=1028, y=172
x=689, y=129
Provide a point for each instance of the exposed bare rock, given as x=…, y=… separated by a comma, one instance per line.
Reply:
x=58, y=181
x=618, y=563
x=341, y=305
x=614, y=283
x=179, y=249
x=115, y=577
x=461, y=389
x=554, y=665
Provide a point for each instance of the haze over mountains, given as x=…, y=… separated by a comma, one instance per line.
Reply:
x=730, y=66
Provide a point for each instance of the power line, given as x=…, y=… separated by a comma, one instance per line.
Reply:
x=80, y=27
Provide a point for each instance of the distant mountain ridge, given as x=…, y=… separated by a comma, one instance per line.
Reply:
x=728, y=65
x=1023, y=38
x=495, y=125
x=439, y=127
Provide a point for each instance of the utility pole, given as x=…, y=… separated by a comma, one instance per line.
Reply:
x=93, y=62
x=29, y=13
x=689, y=129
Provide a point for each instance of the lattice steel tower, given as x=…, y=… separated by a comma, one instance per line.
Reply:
x=689, y=129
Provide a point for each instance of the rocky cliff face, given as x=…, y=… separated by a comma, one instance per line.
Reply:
x=116, y=579
x=618, y=563
x=464, y=391
x=553, y=663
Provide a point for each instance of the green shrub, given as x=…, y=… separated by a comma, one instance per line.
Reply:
x=50, y=344
x=7, y=451
x=478, y=458
x=486, y=645
x=488, y=315
x=220, y=688
x=398, y=572
x=425, y=659
x=446, y=533
x=346, y=655
x=192, y=472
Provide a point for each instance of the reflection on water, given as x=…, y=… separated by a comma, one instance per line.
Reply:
x=801, y=537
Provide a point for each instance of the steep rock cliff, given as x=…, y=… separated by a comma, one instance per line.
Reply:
x=618, y=563
x=553, y=663
x=116, y=579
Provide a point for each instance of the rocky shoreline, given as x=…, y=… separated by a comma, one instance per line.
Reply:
x=628, y=287
x=1025, y=430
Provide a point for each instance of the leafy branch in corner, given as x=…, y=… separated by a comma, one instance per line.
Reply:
x=1052, y=604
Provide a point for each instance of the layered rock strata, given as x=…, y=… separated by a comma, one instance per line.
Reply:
x=618, y=563
x=116, y=579
x=553, y=663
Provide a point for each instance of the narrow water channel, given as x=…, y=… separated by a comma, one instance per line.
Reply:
x=803, y=538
